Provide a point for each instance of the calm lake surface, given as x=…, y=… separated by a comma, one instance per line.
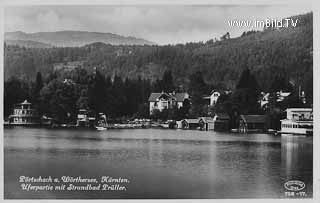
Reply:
x=159, y=163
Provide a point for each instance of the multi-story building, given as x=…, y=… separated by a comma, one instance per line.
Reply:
x=24, y=114
x=161, y=101
x=299, y=121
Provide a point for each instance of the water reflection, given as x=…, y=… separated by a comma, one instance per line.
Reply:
x=160, y=163
x=296, y=159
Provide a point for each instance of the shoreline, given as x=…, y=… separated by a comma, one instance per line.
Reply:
x=73, y=127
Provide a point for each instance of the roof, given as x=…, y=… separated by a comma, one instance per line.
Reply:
x=299, y=109
x=192, y=120
x=206, y=119
x=285, y=94
x=155, y=96
x=179, y=97
x=208, y=96
x=253, y=118
x=222, y=116
x=266, y=95
x=215, y=90
x=25, y=102
x=307, y=122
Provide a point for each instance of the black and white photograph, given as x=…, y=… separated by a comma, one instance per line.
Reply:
x=158, y=101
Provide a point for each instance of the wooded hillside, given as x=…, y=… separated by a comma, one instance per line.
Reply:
x=268, y=53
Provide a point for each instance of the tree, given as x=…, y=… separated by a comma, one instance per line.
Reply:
x=15, y=91
x=197, y=89
x=167, y=81
x=67, y=98
x=97, y=95
x=59, y=100
x=225, y=36
x=143, y=111
x=166, y=84
x=35, y=92
x=247, y=80
x=157, y=86
x=48, y=98
x=292, y=101
x=183, y=112
x=280, y=83
x=245, y=97
x=83, y=101
x=118, y=98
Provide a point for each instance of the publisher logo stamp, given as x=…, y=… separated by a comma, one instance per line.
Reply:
x=294, y=185
x=294, y=188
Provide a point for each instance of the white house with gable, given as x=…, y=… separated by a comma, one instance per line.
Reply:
x=213, y=97
x=165, y=100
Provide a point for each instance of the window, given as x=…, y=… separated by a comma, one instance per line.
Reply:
x=164, y=104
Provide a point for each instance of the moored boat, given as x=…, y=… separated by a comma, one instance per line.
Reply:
x=101, y=128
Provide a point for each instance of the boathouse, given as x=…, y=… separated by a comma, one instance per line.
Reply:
x=221, y=122
x=47, y=121
x=206, y=123
x=190, y=123
x=252, y=123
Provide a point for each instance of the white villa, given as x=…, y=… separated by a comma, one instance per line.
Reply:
x=282, y=95
x=264, y=100
x=213, y=97
x=164, y=100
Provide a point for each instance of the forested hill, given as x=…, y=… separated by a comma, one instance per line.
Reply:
x=74, y=38
x=285, y=51
x=28, y=43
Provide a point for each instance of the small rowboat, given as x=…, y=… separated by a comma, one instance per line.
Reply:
x=101, y=128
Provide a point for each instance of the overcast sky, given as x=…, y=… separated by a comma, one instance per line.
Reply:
x=160, y=24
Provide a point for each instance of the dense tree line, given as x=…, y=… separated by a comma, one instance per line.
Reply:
x=61, y=96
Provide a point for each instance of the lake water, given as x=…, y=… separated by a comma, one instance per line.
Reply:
x=158, y=163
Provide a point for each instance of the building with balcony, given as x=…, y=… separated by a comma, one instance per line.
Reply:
x=299, y=121
x=24, y=114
